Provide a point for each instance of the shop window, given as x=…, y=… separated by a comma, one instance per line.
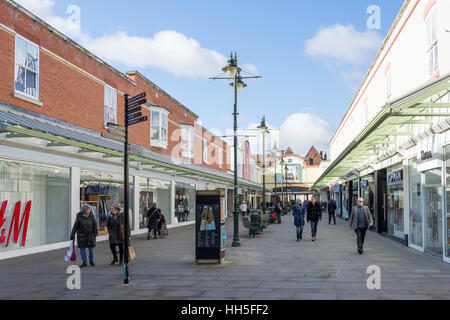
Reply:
x=415, y=205
x=153, y=191
x=187, y=141
x=26, y=75
x=46, y=192
x=159, y=128
x=185, y=195
x=110, y=105
x=101, y=190
x=432, y=42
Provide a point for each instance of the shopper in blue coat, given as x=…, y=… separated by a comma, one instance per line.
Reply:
x=299, y=218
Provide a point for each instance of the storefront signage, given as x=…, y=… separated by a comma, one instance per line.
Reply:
x=395, y=177
x=14, y=223
x=426, y=155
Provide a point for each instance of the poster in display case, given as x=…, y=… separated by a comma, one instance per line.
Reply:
x=210, y=228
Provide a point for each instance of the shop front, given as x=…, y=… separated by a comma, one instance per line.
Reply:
x=367, y=192
x=338, y=199
x=395, y=202
x=184, y=201
x=153, y=191
x=35, y=205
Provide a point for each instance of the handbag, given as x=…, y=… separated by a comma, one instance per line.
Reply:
x=131, y=252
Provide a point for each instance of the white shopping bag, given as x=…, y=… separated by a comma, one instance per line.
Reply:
x=70, y=255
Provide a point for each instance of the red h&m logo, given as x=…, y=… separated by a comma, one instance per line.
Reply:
x=15, y=223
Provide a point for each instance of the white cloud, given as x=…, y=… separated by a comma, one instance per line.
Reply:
x=250, y=68
x=300, y=131
x=169, y=50
x=344, y=45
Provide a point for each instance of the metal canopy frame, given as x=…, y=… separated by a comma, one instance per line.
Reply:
x=393, y=121
x=85, y=148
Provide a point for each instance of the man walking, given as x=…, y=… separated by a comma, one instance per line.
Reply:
x=313, y=216
x=360, y=221
x=332, y=211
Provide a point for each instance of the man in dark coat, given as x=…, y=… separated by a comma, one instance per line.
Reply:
x=116, y=224
x=332, y=211
x=86, y=229
x=153, y=216
x=313, y=216
x=360, y=221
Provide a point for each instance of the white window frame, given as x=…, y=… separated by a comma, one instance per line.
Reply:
x=110, y=104
x=220, y=157
x=16, y=65
x=432, y=44
x=160, y=142
x=205, y=151
x=187, y=141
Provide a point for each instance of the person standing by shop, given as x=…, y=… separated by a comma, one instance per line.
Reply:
x=153, y=216
x=360, y=221
x=278, y=210
x=313, y=216
x=85, y=228
x=243, y=208
x=299, y=219
x=115, y=224
x=332, y=211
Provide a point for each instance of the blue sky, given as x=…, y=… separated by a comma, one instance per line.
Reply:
x=308, y=81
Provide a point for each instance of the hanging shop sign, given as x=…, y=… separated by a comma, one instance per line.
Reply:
x=428, y=160
x=395, y=177
x=337, y=189
x=14, y=227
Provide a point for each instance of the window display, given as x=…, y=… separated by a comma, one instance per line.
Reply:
x=35, y=202
x=184, y=201
x=415, y=205
x=101, y=190
x=151, y=191
x=395, y=223
x=433, y=211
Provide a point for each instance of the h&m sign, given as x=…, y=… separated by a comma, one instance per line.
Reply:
x=14, y=227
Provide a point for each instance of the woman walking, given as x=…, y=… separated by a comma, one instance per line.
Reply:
x=153, y=216
x=115, y=224
x=299, y=219
x=313, y=216
x=86, y=229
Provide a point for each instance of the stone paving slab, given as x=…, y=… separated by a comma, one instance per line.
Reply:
x=273, y=265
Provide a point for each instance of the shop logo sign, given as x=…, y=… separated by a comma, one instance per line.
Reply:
x=426, y=155
x=14, y=227
x=395, y=176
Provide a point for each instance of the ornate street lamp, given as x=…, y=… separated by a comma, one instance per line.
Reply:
x=282, y=162
x=264, y=130
x=233, y=73
x=286, y=178
x=275, y=156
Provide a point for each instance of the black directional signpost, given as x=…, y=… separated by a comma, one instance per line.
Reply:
x=132, y=116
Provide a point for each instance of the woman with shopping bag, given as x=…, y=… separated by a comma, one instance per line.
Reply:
x=85, y=228
x=115, y=225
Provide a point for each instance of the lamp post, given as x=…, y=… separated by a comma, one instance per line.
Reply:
x=286, y=172
x=264, y=130
x=274, y=155
x=233, y=72
x=282, y=162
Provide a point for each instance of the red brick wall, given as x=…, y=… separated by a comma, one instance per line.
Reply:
x=72, y=96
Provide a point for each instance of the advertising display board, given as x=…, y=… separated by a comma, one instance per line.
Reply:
x=210, y=235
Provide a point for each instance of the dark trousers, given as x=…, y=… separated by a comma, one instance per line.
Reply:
x=155, y=233
x=313, y=227
x=331, y=215
x=279, y=217
x=114, y=252
x=361, y=236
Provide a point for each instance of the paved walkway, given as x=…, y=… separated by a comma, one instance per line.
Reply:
x=271, y=266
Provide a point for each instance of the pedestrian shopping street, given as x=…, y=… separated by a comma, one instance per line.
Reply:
x=272, y=265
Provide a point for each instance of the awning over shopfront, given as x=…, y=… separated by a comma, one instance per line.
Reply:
x=28, y=128
x=381, y=137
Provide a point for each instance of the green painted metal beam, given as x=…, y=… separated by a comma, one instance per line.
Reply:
x=16, y=135
x=436, y=105
x=58, y=144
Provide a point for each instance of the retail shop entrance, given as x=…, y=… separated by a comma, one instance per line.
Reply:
x=381, y=200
